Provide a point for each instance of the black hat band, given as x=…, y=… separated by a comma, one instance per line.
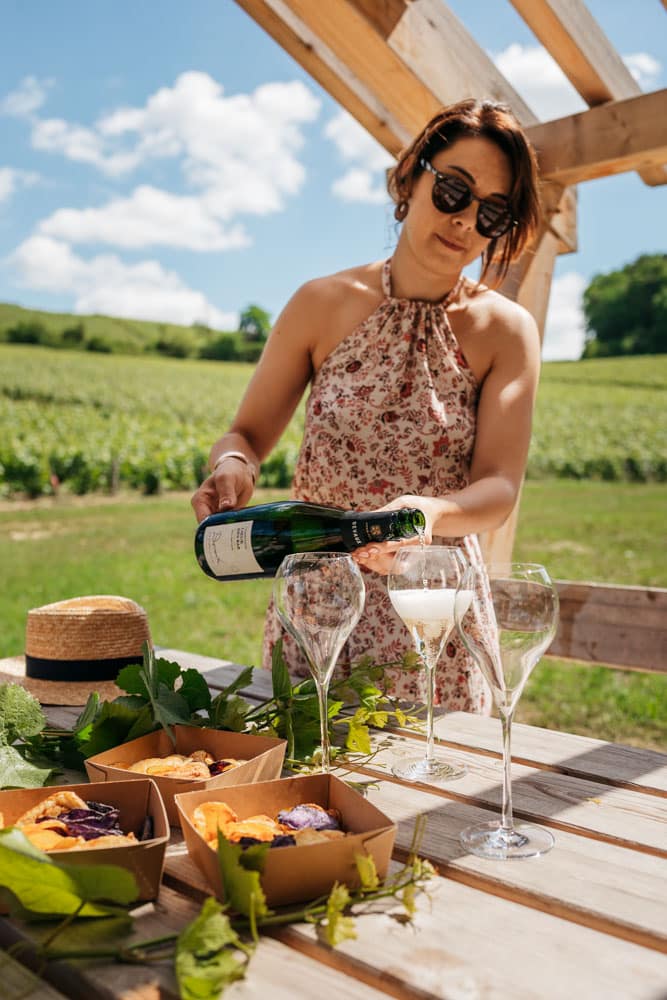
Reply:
x=77, y=670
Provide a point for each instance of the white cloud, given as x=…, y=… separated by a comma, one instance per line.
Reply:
x=545, y=88
x=105, y=284
x=84, y=145
x=540, y=81
x=645, y=69
x=565, y=324
x=241, y=150
x=360, y=185
x=149, y=217
x=27, y=98
x=238, y=155
x=365, y=180
x=11, y=178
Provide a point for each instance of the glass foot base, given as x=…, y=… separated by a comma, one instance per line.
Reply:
x=490, y=840
x=429, y=771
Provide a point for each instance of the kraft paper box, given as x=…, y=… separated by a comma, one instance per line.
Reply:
x=298, y=873
x=135, y=801
x=263, y=758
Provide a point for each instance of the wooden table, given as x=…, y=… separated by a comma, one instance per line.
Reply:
x=586, y=921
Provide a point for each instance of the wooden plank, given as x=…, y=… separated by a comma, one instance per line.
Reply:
x=275, y=970
x=391, y=114
x=458, y=948
x=609, y=139
x=570, y=33
x=459, y=945
x=581, y=756
x=600, y=623
x=556, y=800
x=582, y=880
x=434, y=44
x=19, y=982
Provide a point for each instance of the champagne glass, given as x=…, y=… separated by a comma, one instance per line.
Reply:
x=422, y=586
x=507, y=634
x=319, y=597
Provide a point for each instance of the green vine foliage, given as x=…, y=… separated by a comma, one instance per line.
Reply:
x=88, y=907
x=160, y=694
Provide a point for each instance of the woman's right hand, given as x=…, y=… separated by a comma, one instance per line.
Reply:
x=229, y=487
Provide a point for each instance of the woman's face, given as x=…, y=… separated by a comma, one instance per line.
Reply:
x=451, y=242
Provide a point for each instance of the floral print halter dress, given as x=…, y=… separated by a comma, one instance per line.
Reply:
x=392, y=410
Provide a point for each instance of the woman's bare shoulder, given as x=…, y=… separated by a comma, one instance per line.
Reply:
x=492, y=313
x=362, y=281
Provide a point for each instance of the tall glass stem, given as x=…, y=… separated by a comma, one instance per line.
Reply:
x=322, y=691
x=507, y=821
x=430, y=685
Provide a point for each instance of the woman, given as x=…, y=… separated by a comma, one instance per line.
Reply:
x=422, y=382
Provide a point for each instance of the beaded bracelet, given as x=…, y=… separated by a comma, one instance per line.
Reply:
x=243, y=458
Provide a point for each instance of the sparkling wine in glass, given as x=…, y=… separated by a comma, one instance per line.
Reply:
x=319, y=597
x=423, y=586
x=507, y=634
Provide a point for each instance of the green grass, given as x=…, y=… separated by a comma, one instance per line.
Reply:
x=141, y=547
x=147, y=422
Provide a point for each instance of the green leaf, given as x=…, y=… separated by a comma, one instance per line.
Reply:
x=243, y=680
x=20, y=714
x=194, y=690
x=233, y=717
x=209, y=955
x=110, y=728
x=401, y=718
x=130, y=679
x=169, y=708
x=43, y=887
x=367, y=872
x=282, y=684
x=358, y=737
x=17, y=772
x=336, y=927
x=89, y=713
x=241, y=882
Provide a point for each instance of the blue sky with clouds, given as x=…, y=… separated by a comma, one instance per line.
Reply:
x=168, y=160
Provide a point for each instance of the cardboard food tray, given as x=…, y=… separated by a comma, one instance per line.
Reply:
x=296, y=874
x=145, y=859
x=264, y=756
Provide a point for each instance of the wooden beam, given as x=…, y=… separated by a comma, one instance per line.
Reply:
x=432, y=42
x=392, y=104
x=305, y=46
x=529, y=283
x=356, y=44
x=570, y=33
x=610, y=139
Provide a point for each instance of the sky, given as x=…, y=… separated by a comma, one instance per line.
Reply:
x=167, y=160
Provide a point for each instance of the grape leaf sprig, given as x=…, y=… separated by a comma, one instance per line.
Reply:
x=158, y=693
x=89, y=907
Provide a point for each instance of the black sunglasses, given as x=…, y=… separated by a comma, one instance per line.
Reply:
x=451, y=194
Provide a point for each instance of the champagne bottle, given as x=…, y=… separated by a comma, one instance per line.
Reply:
x=253, y=541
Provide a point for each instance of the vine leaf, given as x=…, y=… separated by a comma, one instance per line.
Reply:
x=209, y=954
x=44, y=888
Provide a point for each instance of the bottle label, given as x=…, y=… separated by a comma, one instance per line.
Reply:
x=228, y=549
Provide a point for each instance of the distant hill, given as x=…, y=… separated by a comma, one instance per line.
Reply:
x=115, y=335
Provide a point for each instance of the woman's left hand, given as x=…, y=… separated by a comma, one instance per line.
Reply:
x=379, y=556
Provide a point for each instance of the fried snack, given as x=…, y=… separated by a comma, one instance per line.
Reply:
x=315, y=825
x=307, y=835
x=198, y=765
x=56, y=804
x=63, y=821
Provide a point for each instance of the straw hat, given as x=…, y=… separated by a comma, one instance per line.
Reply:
x=78, y=646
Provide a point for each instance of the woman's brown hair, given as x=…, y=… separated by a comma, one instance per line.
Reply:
x=495, y=122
